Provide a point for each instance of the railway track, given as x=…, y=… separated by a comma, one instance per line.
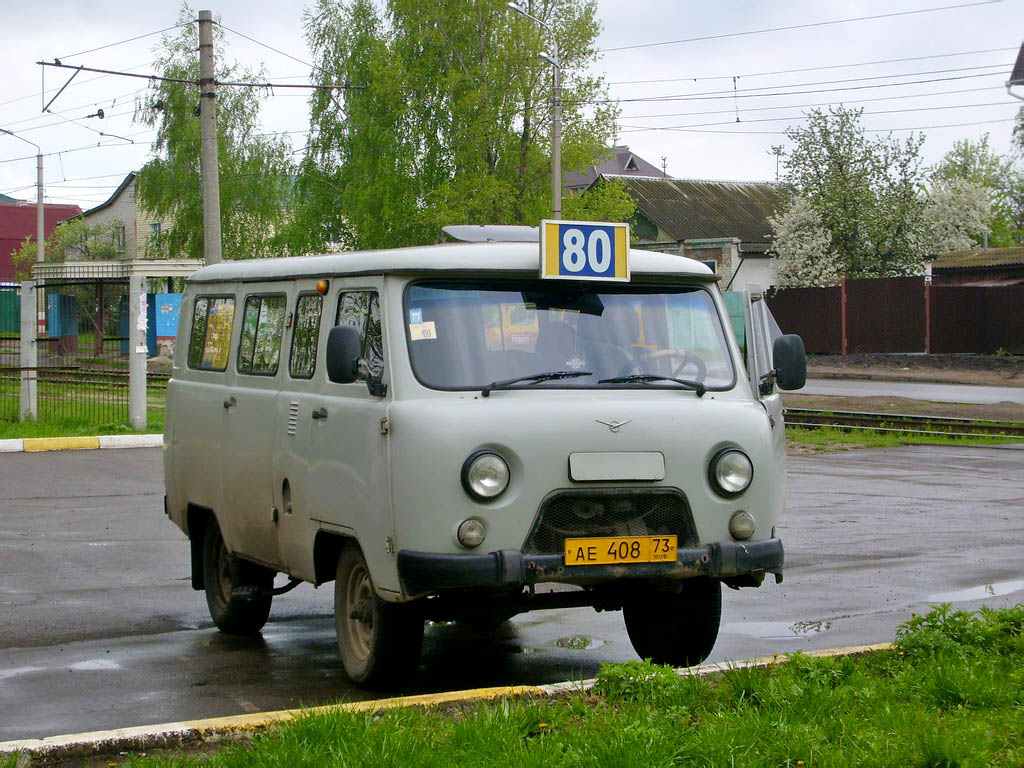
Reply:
x=902, y=423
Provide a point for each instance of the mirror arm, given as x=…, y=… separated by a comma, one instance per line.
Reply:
x=768, y=382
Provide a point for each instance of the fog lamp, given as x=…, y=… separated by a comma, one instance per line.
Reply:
x=471, y=533
x=742, y=525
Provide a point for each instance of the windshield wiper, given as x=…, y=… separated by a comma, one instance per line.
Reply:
x=534, y=379
x=642, y=378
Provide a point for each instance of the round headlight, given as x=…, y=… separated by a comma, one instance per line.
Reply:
x=731, y=472
x=471, y=533
x=485, y=475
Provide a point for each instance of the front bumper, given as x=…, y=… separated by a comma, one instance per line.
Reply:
x=424, y=573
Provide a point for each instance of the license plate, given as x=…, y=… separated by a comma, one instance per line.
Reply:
x=615, y=550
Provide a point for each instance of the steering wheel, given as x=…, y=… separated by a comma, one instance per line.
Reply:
x=685, y=356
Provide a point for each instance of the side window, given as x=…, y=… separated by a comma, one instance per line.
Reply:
x=361, y=310
x=212, y=318
x=304, y=337
x=259, y=347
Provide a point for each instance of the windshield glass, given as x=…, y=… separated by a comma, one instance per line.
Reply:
x=467, y=334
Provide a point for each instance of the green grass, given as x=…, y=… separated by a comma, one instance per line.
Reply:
x=951, y=693
x=71, y=427
x=828, y=436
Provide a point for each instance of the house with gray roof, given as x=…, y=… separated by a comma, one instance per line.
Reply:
x=722, y=223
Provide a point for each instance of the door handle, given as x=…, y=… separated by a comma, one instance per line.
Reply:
x=320, y=414
x=229, y=402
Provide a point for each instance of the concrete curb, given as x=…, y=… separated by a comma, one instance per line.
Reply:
x=32, y=444
x=79, y=745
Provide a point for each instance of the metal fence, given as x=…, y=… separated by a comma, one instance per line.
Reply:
x=81, y=373
x=903, y=315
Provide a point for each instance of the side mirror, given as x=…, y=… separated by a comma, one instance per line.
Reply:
x=790, y=361
x=343, y=348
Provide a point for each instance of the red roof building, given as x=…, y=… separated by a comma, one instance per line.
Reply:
x=18, y=221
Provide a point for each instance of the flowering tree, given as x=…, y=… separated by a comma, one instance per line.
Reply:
x=802, y=245
x=957, y=211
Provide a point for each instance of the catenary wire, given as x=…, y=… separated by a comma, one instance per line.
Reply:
x=796, y=26
x=129, y=40
x=812, y=69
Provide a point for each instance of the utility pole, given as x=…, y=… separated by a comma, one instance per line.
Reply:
x=28, y=353
x=208, y=153
x=556, y=110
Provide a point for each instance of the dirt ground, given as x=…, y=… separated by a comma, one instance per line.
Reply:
x=990, y=370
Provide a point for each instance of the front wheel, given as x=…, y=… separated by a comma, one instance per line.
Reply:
x=675, y=628
x=237, y=592
x=380, y=642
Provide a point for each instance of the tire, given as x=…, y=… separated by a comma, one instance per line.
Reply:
x=223, y=573
x=675, y=628
x=380, y=642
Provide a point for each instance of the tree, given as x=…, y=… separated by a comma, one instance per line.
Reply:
x=255, y=170
x=975, y=162
x=607, y=200
x=450, y=122
x=71, y=240
x=956, y=215
x=867, y=194
x=802, y=247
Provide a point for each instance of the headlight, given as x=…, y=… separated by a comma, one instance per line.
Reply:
x=485, y=475
x=730, y=472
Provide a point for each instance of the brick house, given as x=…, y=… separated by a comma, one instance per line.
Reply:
x=18, y=221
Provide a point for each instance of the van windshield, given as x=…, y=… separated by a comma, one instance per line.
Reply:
x=467, y=334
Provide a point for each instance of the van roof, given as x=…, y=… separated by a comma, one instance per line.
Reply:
x=519, y=259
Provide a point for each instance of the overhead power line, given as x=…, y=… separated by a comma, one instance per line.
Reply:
x=731, y=95
x=812, y=69
x=796, y=26
x=866, y=130
x=161, y=78
x=129, y=40
x=812, y=106
x=742, y=91
x=635, y=128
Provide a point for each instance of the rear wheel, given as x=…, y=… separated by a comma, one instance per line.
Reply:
x=237, y=591
x=676, y=628
x=380, y=642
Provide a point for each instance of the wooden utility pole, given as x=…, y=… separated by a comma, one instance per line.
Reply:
x=208, y=152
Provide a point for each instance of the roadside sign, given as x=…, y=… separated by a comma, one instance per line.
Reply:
x=584, y=250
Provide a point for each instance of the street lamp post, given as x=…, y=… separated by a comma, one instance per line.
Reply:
x=28, y=355
x=556, y=112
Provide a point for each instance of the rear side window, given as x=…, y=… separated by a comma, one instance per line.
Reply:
x=304, y=337
x=361, y=310
x=259, y=347
x=212, y=318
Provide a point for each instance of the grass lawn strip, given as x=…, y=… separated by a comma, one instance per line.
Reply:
x=948, y=692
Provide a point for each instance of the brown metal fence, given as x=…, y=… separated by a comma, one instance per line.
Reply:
x=903, y=315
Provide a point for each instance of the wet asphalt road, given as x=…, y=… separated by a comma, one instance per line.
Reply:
x=100, y=629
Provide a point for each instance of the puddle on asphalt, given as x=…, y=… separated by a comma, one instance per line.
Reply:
x=774, y=630
x=579, y=643
x=95, y=664
x=996, y=589
x=5, y=673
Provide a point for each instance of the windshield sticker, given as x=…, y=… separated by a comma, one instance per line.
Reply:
x=421, y=331
x=416, y=315
x=575, y=363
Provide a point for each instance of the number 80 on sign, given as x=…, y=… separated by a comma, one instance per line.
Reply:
x=584, y=250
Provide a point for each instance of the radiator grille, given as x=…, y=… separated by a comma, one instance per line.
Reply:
x=609, y=512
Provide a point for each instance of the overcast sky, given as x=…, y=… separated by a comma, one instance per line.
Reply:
x=948, y=95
